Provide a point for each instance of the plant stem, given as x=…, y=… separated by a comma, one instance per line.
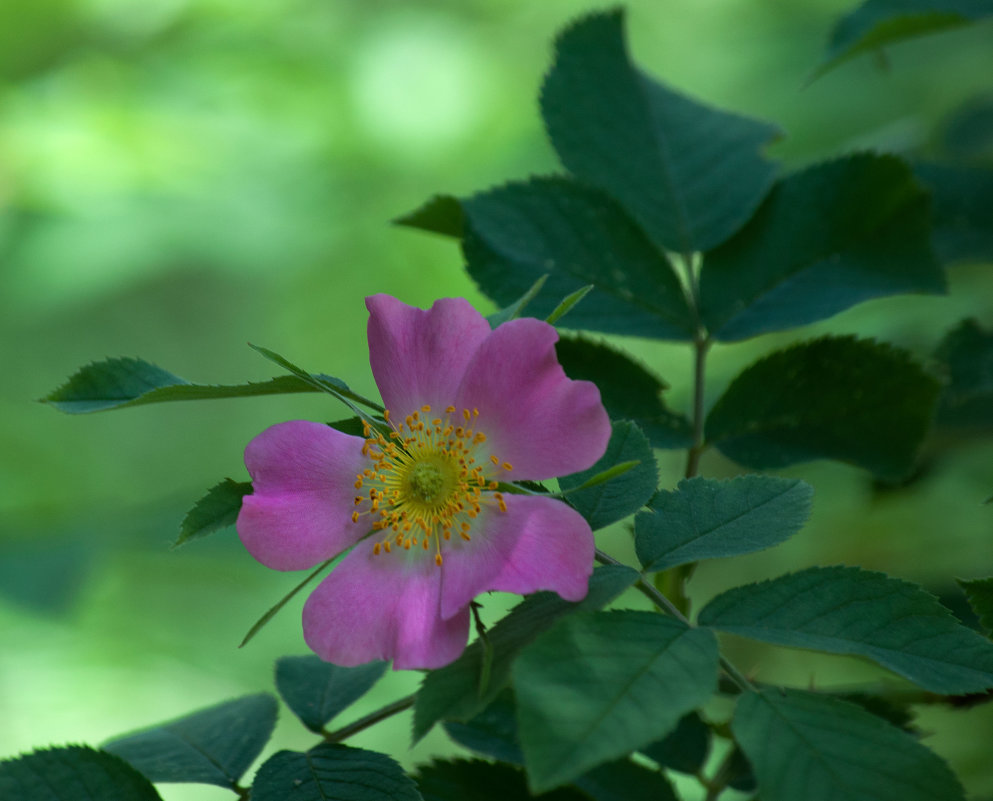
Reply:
x=700, y=347
x=371, y=719
x=646, y=588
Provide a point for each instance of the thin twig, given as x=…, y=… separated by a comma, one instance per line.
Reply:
x=371, y=719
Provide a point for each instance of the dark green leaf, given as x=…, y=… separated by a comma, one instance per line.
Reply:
x=876, y=23
x=72, y=773
x=474, y=780
x=803, y=746
x=967, y=133
x=493, y=733
x=962, y=212
x=841, y=398
x=212, y=746
x=453, y=692
x=967, y=355
x=515, y=309
x=624, y=780
x=685, y=748
x=332, y=772
x=600, y=685
x=980, y=595
x=216, y=510
x=119, y=383
x=442, y=214
x=577, y=236
x=614, y=500
x=705, y=519
x=847, y=610
x=691, y=174
x=317, y=691
x=628, y=390
x=826, y=238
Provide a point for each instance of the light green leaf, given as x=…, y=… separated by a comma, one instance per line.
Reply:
x=216, y=510
x=610, y=501
x=72, y=773
x=690, y=174
x=841, y=398
x=876, y=23
x=317, y=691
x=578, y=236
x=600, y=685
x=807, y=746
x=628, y=391
x=212, y=746
x=453, y=692
x=980, y=595
x=567, y=303
x=120, y=383
x=706, y=519
x=332, y=772
x=847, y=610
x=826, y=238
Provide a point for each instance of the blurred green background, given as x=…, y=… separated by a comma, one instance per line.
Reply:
x=180, y=177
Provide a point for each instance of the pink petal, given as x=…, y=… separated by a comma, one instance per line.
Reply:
x=383, y=606
x=535, y=418
x=537, y=544
x=418, y=357
x=299, y=512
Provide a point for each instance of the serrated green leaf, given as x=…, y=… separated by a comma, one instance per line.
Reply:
x=876, y=23
x=980, y=595
x=706, y=519
x=962, y=211
x=493, y=733
x=690, y=174
x=212, y=746
x=72, y=773
x=121, y=383
x=613, y=500
x=600, y=685
x=475, y=780
x=515, y=309
x=685, y=748
x=577, y=236
x=825, y=239
x=856, y=401
x=628, y=391
x=847, y=610
x=316, y=691
x=442, y=214
x=803, y=745
x=453, y=692
x=966, y=353
x=216, y=510
x=332, y=772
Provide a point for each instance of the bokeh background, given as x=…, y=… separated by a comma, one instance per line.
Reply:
x=181, y=177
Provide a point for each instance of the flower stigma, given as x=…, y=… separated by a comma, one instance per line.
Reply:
x=425, y=483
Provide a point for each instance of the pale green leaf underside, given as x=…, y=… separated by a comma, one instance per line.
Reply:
x=847, y=610
x=817, y=748
x=600, y=685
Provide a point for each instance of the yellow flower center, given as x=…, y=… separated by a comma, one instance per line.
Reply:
x=425, y=482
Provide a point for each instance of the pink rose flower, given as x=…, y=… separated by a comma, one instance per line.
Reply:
x=468, y=407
